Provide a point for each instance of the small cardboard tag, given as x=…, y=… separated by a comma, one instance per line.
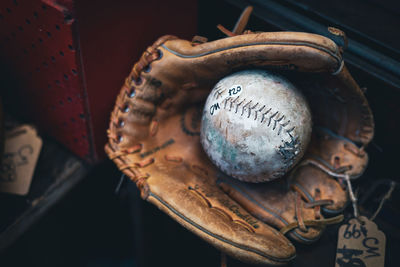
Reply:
x=21, y=152
x=360, y=243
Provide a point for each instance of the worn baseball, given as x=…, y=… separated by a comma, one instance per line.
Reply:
x=255, y=125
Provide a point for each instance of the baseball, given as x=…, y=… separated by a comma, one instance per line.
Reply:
x=255, y=125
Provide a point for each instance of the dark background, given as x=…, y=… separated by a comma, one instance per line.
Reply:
x=93, y=226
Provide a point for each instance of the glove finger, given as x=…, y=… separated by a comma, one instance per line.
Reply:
x=277, y=205
x=202, y=208
x=315, y=185
x=180, y=180
x=337, y=103
x=321, y=173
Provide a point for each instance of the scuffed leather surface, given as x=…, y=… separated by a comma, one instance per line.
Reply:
x=154, y=139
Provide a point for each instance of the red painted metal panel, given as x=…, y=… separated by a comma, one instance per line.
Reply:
x=113, y=36
x=39, y=45
x=69, y=59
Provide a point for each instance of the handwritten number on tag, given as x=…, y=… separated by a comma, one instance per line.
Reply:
x=347, y=257
x=22, y=155
x=21, y=152
x=371, y=246
x=360, y=244
x=352, y=231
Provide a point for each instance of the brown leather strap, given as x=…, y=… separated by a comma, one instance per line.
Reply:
x=316, y=203
x=225, y=30
x=240, y=24
x=152, y=53
x=313, y=223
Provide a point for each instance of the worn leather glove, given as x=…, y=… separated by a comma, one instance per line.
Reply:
x=154, y=140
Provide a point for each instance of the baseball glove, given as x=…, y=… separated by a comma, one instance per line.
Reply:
x=154, y=140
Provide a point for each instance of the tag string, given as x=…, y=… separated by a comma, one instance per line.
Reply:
x=338, y=175
x=119, y=185
x=352, y=196
x=385, y=197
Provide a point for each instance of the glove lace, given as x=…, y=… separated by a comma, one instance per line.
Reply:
x=151, y=54
x=318, y=222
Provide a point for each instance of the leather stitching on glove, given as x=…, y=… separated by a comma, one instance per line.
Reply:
x=153, y=143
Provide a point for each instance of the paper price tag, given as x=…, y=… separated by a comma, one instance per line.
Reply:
x=21, y=152
x=360, y=244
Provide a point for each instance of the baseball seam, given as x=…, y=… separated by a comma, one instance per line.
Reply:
x=243, y=108
x=272, y=119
